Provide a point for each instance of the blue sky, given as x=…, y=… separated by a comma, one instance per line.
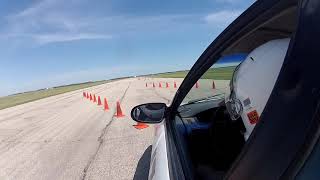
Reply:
x=45, y=43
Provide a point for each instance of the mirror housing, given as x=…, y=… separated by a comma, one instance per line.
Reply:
x=149, y=113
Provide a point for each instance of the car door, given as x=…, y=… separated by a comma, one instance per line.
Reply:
x=288, y=127
x=290, y=119
x=159, y=168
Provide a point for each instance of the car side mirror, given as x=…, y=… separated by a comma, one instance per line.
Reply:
x=149, y=113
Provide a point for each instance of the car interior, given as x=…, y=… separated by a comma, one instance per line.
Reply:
x=210, y=139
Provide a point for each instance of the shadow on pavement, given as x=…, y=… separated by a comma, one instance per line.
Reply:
x=143, y=166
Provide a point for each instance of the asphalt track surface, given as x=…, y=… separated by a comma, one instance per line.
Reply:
x=69, y=137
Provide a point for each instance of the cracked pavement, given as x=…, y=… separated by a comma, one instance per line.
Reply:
x=69, y=137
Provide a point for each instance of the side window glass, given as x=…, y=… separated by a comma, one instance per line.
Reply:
x=215, y=81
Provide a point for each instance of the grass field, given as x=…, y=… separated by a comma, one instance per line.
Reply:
x=222, y=73
x=16, y=99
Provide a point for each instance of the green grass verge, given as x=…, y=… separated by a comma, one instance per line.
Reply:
x=222, y=73
x=16, y=99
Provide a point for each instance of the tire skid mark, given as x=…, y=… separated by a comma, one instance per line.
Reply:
x=43, y=143
x=39, y=128
x=37, y=149
x=45, y=104
x=41, y=131
x=162, y=97
x=36, y=108
x=52, y=125
x=101, y=139
x=49, y=123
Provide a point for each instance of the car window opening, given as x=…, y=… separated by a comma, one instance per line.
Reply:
x=212, y=137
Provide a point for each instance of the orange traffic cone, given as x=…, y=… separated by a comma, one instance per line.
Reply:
x=167, y=85
x=99, y=101
x=153, y=85
x=90, y=97
x=175, y=85
x=197, y=85
x=106, y=106
x=94, y=98
x=213, y=85
x=140, y=125
x=119, y=111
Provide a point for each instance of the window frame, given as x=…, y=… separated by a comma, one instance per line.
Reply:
x=248, y=165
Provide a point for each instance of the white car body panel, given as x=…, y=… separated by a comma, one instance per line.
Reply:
x=159, y=169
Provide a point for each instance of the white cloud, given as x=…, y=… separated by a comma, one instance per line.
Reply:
x=48, y=21
x=51, y=38
x=234, y=2
x=222, y=18
x=39, y=7
x=52, y=21
x=229, y=1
